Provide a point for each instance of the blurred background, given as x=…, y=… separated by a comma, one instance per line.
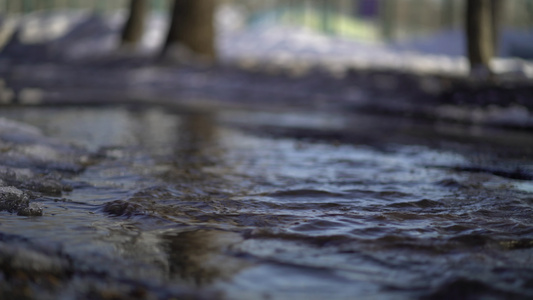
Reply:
x=351, y=30
x=335, y=148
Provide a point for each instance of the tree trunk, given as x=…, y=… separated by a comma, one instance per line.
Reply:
x=192, y=28
x=134, y=28
x=448, y=14
x=480, y=33
x=325, y=18
x=497, y=11
x=387, y=15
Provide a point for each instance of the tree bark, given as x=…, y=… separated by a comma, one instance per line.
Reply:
x=480, y=34
x=497, y=12
x=448, y=14
x=134, y=28
x=387, y=16
x=192, y=28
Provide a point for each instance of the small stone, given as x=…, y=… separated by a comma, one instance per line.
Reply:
x=12, y=199
x=33, y=210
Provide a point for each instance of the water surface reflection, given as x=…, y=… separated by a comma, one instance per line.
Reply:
x=243, y=205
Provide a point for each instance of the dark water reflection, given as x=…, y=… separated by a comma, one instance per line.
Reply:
x=248, y=205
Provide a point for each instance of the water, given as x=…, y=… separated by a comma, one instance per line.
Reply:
x=285, y=205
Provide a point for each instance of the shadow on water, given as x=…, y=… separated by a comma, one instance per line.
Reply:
x=202, y=257
x=248, y=205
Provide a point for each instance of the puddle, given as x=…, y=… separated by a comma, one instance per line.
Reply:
x=246, y=205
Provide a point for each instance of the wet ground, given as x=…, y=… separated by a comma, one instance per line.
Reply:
x=289, y=177
x=156, y=203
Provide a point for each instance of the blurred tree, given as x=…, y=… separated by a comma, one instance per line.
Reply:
x=325, y=16
x=387, y=11
x=482, y=22
x=192, y=29
x=448, y=13
x=497, y=10
x=133, y=29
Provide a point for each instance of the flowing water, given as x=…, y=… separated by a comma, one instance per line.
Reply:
x=284, y=205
